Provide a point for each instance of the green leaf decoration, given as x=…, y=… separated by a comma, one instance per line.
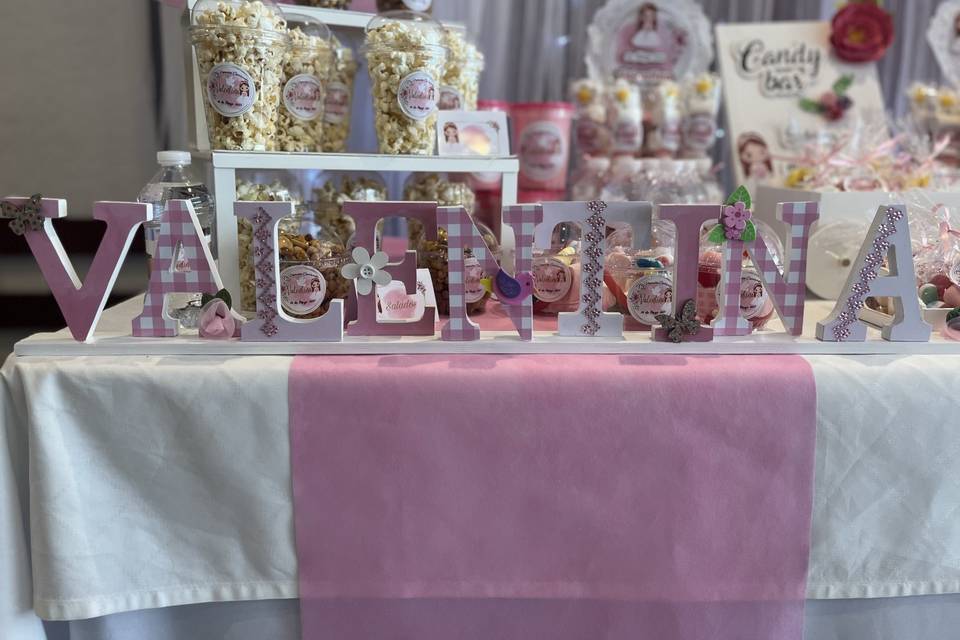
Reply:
x=810, y=106
x=224, y=295
x=842, y=84
x=749, y=232
x=740, y=195
x=717, y=235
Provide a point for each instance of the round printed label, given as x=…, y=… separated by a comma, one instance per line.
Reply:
x=753, y=294
x=303, y=96
x=302, y=289
x=543, y=151
x=231, y=91
x=649, y=296
x=551, y=280
x=627, y=135
x=418, y=5
x=699, y=131
x=473, y=290
x=417, y=95
x=450, y=99
x=336, y=104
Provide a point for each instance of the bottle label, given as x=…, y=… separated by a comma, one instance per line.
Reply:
x=336, y=106
x=418, y=5
x=542, y=151
x=450, y=99
x=302, y=289
x=551, y=280
x=473, y=290
x=303, y=96
x=417, y=95
x=649, y=296
x=231, y=90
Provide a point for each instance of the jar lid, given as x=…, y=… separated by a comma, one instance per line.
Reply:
x=413, y=30
x=169, y=158
x=248, y=15
x=307, y=32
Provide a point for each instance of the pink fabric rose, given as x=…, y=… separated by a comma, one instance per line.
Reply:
x=216, y=321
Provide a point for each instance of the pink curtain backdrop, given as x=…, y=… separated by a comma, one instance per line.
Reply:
x=552, y=496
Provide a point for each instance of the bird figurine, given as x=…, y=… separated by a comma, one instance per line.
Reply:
x=508, y=289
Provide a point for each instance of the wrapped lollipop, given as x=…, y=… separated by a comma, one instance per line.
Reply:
x=625, y=116
x=701, y=104
x=591, y=136
x=663, y=139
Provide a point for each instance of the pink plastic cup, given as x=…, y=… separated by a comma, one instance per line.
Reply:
x=542, y=134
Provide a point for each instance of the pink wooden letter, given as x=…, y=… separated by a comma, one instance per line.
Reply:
x=272, y=323
x=82, y=304
x=180, y=234
x=366, y=215
x=787, y=287
x=461, y=232
x=688, y=219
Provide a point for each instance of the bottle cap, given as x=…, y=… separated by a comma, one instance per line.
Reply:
x=167, y=158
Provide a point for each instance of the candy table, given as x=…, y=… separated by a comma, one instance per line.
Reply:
x=151, y=497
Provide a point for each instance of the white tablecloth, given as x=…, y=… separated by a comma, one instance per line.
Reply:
x=164, y=481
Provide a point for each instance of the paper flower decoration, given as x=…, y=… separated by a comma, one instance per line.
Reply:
x=735, y=221
x=861, y=31
x=833, y=104
x=366, y=270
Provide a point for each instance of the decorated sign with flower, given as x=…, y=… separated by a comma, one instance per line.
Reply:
x=367, y=270
x=861, y=31
x=735, y=223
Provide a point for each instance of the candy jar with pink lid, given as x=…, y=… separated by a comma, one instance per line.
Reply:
x=307, y=64
x=556, y=272
x=542, y=131
x=405, y=58
x=239, y=47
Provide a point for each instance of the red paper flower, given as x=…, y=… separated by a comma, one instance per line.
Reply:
x=862, y=31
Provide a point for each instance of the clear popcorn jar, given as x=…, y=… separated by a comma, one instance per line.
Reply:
x=307, y=64
x=405, y=57
x=239, y=46
x=339, y=98
x=460, y=82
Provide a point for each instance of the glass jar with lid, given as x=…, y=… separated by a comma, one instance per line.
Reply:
x=432, y=255
x=306, y=69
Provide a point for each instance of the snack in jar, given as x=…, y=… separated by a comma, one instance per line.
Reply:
x=310, y=272
x=328, y=200
x=405, y=58
x=239, y=46
x=306, y=68
x=259, y=192
x=556, y=272
x=432, y=255
x=424, y=6
x=461, y=73
x=639, y=282
x=439, y=188
x=339, y=98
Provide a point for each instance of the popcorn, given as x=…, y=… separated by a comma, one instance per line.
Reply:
x=329, y=199
x=461, y=73
x=336, y=112
x=239, y=49
x=306, y=67
x=405, y=60
x=432, y=187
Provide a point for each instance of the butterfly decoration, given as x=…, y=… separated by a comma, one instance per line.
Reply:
x=509, y=290
x=685, y=324
x=26, y=217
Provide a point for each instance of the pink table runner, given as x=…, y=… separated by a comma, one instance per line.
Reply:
x=552, y=496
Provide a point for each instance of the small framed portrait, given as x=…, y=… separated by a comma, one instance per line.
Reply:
x=473, y=133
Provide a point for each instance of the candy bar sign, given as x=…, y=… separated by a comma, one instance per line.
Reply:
x=884, y=268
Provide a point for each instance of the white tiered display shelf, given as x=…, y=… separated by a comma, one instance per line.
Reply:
x=225, y=164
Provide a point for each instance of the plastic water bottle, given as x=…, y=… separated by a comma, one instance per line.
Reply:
x=175, y=182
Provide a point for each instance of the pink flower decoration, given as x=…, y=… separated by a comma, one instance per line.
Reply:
x=216, y=321
x=735, y=217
